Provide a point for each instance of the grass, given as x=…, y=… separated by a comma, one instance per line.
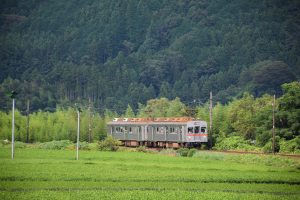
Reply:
x=55, y=174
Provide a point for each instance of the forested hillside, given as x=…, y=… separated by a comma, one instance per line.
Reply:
x=127, y=52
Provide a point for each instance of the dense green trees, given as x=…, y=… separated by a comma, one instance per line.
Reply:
x=241, y=123
x=127, y=52
x=58, y=125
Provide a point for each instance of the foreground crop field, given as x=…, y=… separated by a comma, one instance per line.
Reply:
x=55, y=174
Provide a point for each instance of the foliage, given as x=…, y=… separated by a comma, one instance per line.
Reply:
x=288, y=117
x=119, y=53
x=244, y=123
x=234, y=142
x=163, y=108
x=268, y=148
x=84, y=146
x=141, y=149
x=58, y=125
x=62, y=144
x=183, y=152
x=191, y=152
x=109, y=144
x=19, y=145
x=290, y=146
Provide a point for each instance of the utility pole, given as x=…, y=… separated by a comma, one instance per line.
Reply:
x=90, y=125
x=12, y=95
x=13, y=130
x=27, y=124
x=78, y=128
x=210, y=120
x=273, y=129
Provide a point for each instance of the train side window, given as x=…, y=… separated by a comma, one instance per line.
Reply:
x=197, y=129
x=161, y=130
x=118, y=129
x=130, y=130
x=203, y=129
x=178, y=130
x=190, y=130
x=173, y=130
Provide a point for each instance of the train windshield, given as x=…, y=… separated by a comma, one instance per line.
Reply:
x=197, y=129
x=203, y=129
x=190, y=129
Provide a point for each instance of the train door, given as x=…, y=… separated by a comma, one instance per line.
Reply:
x=190, y=134
x=197, y=133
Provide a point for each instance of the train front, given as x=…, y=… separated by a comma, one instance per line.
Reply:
x=196, y=132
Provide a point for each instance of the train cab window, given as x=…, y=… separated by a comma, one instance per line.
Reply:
x=203, y=129
x=190, y=129
x=197, y=129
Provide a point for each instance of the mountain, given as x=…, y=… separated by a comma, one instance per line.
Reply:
x=126, y=52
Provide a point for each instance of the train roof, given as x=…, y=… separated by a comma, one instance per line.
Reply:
x=179, y=120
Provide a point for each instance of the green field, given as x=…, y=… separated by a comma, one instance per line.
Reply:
x=55, y=174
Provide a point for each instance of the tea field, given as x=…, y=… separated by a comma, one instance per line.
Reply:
x=55, y=174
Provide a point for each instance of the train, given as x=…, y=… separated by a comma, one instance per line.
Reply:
x=172, y=132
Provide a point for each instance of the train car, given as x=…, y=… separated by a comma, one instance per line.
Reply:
x=159, y=132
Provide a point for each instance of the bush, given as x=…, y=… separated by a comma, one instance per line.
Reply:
x=234, y=143
x=290, y=146
x=141, y=149
x=168, y=151
x=191, y=152
x=19, y=145
x=268, y=148
x=109, y=144
x=62, y=144
x=183, y=152
x=5, y=142
x=84, y=146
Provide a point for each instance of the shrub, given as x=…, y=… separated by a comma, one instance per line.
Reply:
x=5, y=142
x=268, y=148
x=141, y=149
x=62, y=144
x=234, y=142
x=84, y=146
x=191, y=152
x=183, y=152
x=168, y=151
x=290, y=146
x=109, y=144
x=19, y=145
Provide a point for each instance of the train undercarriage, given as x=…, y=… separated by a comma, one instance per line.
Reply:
x=161, y=144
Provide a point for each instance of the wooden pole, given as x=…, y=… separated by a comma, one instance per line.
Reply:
x=273, y=129
x=210, y=120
